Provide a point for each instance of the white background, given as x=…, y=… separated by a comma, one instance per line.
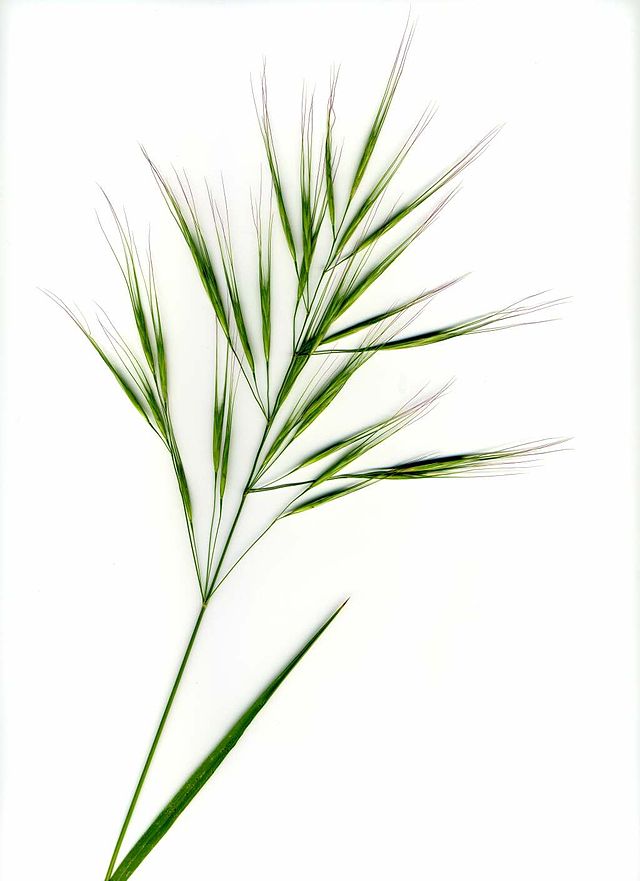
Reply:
x=472, y=714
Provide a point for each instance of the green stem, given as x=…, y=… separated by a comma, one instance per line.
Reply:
x=156, y=740
x=212, y=584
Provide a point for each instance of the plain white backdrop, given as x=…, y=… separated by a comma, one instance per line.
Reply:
x=473, y=713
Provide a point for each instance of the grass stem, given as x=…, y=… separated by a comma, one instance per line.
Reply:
x=155, y=742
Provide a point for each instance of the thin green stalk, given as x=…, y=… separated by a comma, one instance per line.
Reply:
x=244, y=554
x=236, y=518
x=155, y=742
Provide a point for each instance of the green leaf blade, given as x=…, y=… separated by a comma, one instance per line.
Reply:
x=188, y=791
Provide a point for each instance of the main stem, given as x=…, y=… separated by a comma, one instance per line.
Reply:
x=156, y=740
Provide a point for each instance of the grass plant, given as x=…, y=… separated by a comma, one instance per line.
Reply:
x=341, y=238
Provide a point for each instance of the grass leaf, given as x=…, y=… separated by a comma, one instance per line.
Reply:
x=188, y=791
